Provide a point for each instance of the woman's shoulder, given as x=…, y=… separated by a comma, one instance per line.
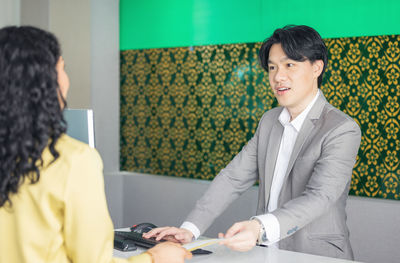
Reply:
x=76, y=162
x=70, y=147
x=72, y=151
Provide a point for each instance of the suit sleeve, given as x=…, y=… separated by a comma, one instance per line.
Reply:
x=238, y=176
x=88, y=229
x=330, y=179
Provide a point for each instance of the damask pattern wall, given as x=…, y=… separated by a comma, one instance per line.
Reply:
x=187, y=111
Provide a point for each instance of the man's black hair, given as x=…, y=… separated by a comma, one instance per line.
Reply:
x=299, y=43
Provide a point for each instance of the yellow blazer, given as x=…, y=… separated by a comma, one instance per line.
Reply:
x=64, y=217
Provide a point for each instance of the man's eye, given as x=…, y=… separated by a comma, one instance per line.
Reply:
x=271, y=67
x=290, y=65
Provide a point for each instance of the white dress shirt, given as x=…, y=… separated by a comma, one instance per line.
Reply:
x=290, y=132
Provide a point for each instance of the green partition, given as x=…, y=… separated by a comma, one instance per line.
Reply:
x=194, y=97
x=179, y=23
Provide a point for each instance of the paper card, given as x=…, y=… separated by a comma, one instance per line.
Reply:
x=202, y=243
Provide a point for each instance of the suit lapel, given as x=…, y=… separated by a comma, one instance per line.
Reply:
x=271, y=156
x=304, y=133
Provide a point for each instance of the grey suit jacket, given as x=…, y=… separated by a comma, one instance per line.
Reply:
x=311, y=205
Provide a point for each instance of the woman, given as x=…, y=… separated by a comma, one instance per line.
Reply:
x=52, y=201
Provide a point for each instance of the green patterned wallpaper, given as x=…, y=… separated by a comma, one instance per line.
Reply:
x=187, y=111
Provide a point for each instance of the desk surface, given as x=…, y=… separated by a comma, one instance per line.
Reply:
x=258, y=254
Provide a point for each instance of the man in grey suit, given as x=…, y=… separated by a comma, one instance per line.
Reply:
x=302, y=153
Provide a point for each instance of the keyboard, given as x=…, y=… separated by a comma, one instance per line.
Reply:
x=138, y=240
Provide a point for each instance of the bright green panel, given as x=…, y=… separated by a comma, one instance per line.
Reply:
x=217, y=21
x=151, y=23
x=161, y=23
x=333, y=19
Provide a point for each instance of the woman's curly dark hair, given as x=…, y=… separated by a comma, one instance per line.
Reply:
x=30, y=114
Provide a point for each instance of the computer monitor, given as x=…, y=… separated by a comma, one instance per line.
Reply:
x=80, y=125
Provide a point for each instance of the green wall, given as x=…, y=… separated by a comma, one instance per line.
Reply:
x=173, y=23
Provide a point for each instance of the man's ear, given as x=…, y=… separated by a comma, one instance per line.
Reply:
x=318, y=66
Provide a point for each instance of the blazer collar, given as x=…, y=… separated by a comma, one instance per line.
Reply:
x=276, y=135
x=305, y=131
x=272, y=155
x=316, y=110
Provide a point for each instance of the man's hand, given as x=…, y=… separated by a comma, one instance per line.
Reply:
x=174, y=234
x=242, y=236
x=168, y=252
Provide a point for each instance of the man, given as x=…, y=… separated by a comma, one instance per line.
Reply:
x=302, y=154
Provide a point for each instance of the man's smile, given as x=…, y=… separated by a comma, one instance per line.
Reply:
x=280, y=90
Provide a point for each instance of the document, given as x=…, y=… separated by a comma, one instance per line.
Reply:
x=202, y=243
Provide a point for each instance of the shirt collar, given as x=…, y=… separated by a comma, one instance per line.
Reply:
x=284, y=117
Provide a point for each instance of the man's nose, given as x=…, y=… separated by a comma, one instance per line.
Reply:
x=280, y=75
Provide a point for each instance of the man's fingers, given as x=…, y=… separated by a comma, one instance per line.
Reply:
x=173, y=234
x=229, y=241
x=183, y=237
x=171, y=231
x=237, y=242
x=180, y=236
x=172, y=239
x=240, y=242
x=233, y=230
x=154, y=232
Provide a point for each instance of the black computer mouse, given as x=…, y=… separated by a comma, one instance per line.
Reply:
x=142, y=228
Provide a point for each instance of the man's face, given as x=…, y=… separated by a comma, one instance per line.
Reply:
x=294, y=83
